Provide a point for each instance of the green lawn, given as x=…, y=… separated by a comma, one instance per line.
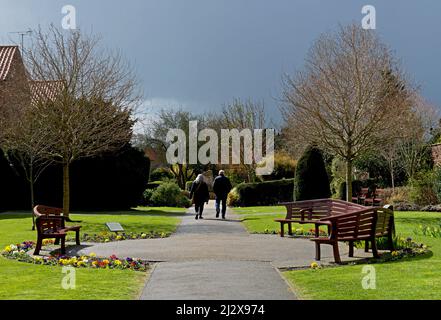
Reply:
x=27, y=281
x=261, y=219
x=259, y=210
x=417, y=278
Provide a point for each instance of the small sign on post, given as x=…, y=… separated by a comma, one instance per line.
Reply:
x=114, y=227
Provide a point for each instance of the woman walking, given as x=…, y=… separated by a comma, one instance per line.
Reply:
x=199, y=193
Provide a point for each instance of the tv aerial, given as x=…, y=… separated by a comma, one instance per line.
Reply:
x=22, y=35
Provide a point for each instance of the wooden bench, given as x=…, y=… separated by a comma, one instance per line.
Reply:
x=363, y=225
x=50, y=224
x=376, y=199
x=309, y=211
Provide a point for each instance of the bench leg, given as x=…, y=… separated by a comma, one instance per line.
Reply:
x=374, y=248
x=290, y=228
x=38, y=246
x=282, y=229
x=351, y=249
x=77, y=237
x=336, y=253
x=366, y=246
x=391, y=241
x=63, y=245
x=317, y=230
x=57, y=241
x=317, y=251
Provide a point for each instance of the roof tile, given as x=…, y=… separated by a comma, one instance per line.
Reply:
x=6, y=57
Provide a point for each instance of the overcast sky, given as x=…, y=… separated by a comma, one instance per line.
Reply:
x=200, y=54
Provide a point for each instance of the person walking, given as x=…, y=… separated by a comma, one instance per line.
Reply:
x=221, y=188
x=199, y=194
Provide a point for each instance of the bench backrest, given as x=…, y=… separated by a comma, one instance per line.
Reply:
x=319, y=208
x=47, y=225
x=357, y=225
x=41, y=210
x=385, y=221
x=362, y=224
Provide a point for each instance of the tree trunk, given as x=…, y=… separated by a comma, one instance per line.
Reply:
x=294, y=188
x=392, y=177
x=31, y=189
x=66, y=189
x=349, y=180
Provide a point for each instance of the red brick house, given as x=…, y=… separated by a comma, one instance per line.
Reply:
x=16, y=88
x=14, y=85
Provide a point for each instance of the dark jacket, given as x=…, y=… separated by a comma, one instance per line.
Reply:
x=221, y=187
x=199, y=192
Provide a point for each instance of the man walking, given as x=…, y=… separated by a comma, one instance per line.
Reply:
x=221, y=188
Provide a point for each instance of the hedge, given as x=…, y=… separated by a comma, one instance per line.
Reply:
x=111, y=181
x=262, y=193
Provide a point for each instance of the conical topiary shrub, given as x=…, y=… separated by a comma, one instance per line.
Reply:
x=312, y=180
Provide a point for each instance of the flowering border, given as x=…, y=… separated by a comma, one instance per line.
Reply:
x=20, y=253
x=105, y=237
x=410, y=249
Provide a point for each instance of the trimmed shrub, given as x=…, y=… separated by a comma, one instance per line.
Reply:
x=169, y=194
x=261, y=193
x=423, y=190
x=284, y=168
x=183, y=200
x=233, y=198
x=148, y=195
x=153, y=184
x=160, y=174
x=312, y=181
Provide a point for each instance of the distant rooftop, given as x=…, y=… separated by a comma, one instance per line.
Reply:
x=7, y=54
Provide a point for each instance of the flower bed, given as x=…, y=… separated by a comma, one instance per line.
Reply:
x=405, y=247
x=19, y=252
x=111, y=237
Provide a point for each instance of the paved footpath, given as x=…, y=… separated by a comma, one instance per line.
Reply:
x=217, y=259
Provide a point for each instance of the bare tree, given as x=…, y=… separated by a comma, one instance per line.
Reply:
x=413, y=149
x=28, y=143
x=155, y=138
x=390, y=153
x=349, y=98
x=91, y=111
x=242, y=115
